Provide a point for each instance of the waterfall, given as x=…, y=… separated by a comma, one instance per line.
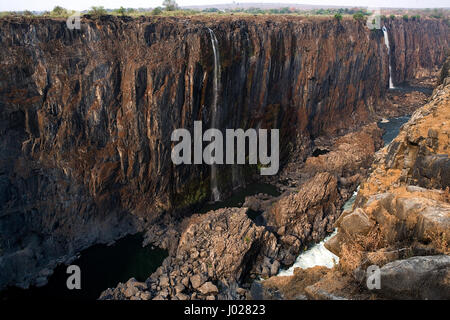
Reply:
x=386, y=42
x=215, y=121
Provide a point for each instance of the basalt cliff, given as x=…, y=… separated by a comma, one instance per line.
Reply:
x=87, y=115
x=399, y=223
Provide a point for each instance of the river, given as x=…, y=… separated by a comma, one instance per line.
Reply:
x=317, y=254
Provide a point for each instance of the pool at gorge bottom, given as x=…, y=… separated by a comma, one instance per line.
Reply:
x=105, y=266
x=101, y=267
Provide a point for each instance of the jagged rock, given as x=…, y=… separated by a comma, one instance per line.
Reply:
x=356, y=222
x=305, y=216
x=425, y=277
x=316, y=293
x=85, y=141
x=182, y=296
x=208, y=288
x=237, y=242
x=197, y=280
x=164, y=281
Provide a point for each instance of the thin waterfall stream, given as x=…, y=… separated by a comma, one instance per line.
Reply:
x=214, y=117
x=386, y=42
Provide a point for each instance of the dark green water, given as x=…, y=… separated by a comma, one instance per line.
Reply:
x=101, y=267
x=238, y=198
x=105, y=266
x=392, y=128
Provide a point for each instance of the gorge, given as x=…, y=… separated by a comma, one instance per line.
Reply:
x=87, y=115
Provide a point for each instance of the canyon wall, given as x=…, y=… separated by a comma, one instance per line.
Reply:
x=86, y=115
x=417, y=48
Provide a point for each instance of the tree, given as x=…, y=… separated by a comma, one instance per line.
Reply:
x=156, y=11
x=59, y=11
x=121, y=11
x=338, y=16
x=358, y=16
x=97, y=11
x=171, y=5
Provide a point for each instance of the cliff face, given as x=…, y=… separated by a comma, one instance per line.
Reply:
x=86, y=115
x=405, y=37
x=403, y=210
x=400, y=221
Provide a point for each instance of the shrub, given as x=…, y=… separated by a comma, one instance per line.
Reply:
x=405, y=17
x=121, y=11
x=392, y=17
x=338, y=16
x=170, y=5
x=157, y=11
x=59, y=12
x=97, y=11
x=358, y=16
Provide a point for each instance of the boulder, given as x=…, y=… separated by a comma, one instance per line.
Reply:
x=422, y=277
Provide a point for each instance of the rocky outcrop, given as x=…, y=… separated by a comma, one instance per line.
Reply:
x=403, y=209
x=424, y=277
x=86, y=115
x=216, y=251
x=305, y=216
x=400, y=220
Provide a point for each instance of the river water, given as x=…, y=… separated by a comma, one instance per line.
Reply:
x=317, y=254
x=101, y=267
x=105, y=266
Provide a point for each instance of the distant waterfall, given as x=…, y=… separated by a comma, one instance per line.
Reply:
x=386, y=42
x=215, y=121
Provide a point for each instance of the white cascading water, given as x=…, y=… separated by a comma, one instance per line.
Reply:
x=386, y=42
x=318, y=255
x=214, y=121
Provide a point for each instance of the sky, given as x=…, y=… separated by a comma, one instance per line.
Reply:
x=41, y=5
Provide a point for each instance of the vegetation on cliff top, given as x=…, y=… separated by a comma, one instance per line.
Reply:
x=171, y=8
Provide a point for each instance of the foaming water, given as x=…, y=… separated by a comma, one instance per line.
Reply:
x=317, y=255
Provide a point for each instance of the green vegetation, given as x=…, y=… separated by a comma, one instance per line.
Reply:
x=157, y=11
x=59, y=12
x=171, y=8
x=359, y=16
x=98, y=11
x=170, y=5
x=121, y=11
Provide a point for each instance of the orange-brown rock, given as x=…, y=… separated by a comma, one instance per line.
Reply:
x=86, y=115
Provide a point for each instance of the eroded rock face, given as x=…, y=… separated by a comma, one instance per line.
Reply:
x=216, y=250
x=86, y=115
x=305, y=216
x=404, y=36
x=400, y=220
